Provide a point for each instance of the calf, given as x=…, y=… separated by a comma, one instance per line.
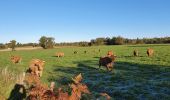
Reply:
x=150, y=52
x=60, y=54
x=107, y=61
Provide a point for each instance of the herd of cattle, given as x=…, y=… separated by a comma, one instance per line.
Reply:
x=36, y=65
x=39, y=91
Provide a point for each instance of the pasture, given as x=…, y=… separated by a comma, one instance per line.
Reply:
x=140, y=77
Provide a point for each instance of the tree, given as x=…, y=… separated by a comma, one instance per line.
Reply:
x=119, y=40
x=50, y=42
x=92, y=41
x=46, y=42
x=139, y=41
x=12, y=44
x=3, y=46
x=98, y=41
x=42, y=42
x=113, y=41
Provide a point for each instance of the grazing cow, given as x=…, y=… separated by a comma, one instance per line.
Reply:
x=107, y=61
x=36, y=67
x=109, y=53
x=60, y=54
x=75, y=52
x=150, y=52
x=136, y=53
x=16, y=59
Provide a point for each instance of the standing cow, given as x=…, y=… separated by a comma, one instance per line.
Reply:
x=136, y=53
x=60, y=54
x=75, y=52
x=107, y=61
x=36, y=67
x=150, y=52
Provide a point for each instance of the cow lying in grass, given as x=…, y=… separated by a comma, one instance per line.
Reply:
x=107, y=61
x=60, y=54
x=16, y=59
x=136, y=53
x=150, y=52
x=36, y=67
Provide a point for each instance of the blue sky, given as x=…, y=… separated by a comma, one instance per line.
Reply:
x=82, y=20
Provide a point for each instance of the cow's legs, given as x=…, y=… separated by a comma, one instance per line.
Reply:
x=99, y=65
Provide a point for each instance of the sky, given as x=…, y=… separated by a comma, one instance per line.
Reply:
x=82, y=20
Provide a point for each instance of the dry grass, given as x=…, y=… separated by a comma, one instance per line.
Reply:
x=7, y=81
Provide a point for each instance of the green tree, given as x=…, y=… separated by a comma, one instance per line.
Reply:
x=139, y=41
x=100, y=41
x=119, y=40
x=50, y=42
x=46, y=42
x=12, y=44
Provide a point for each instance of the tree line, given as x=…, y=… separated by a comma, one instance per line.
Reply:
x=118, y=41
x=49, y=42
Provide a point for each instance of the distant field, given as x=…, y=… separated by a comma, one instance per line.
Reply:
x=132, y=78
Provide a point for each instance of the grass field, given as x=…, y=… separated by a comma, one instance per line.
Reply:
x=132, y=78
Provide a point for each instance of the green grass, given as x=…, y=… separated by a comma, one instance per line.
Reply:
x=132, y=78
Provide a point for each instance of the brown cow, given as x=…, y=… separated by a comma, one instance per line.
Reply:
x=16, y=59
x=60, y=54
x=107, y=61
x=36, y=67
x=109, y=53
x=150, y=52
x=136, y=53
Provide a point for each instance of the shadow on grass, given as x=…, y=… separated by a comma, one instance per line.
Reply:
x=130, y=56
x=18, y=93
x=149, y=45
x=126, y=81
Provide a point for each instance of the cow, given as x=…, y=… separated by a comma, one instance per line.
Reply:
x=60, y=54
x=109, y=53
x=85, y=51
x=36, y=67
x=136, y=53
x=107, y=61
x=16, y=59
x=75, y=52
x=150, y=52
